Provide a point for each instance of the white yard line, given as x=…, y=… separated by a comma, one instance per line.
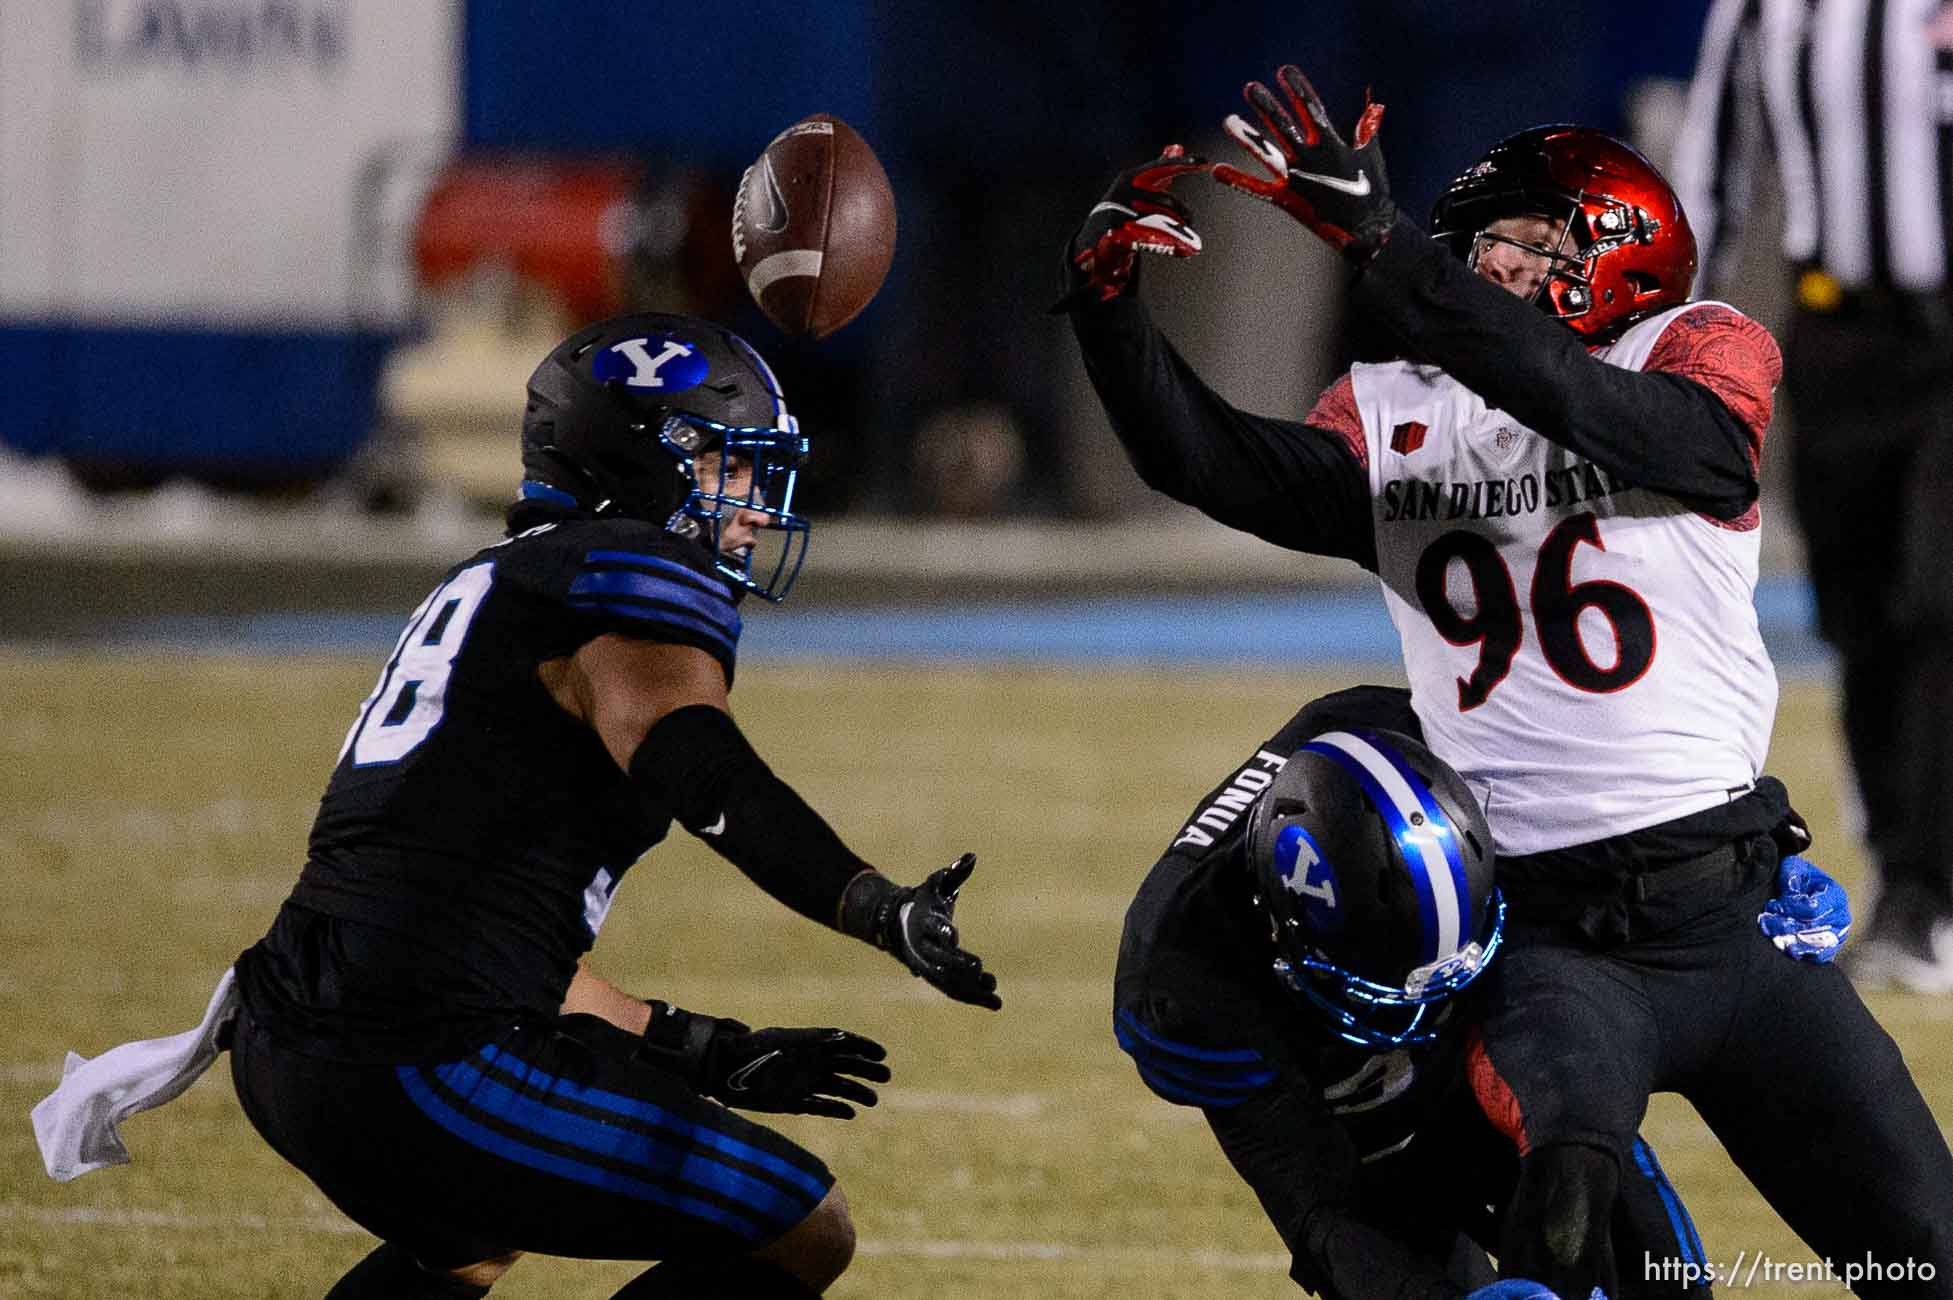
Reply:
x=1014, y=1105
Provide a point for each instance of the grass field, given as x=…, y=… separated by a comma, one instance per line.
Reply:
x=153, y=812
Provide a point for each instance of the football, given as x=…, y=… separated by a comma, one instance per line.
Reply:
x=813, y=226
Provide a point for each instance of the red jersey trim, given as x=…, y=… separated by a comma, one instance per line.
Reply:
x=1729, y=354
x=1736, y=359
x=1495, y=1095
x=1335, y=412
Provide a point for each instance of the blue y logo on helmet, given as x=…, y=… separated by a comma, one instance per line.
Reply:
x=652, y=365
x=1307, y=874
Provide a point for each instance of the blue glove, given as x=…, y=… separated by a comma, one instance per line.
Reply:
x=1810, y=916
x=1513, y=1288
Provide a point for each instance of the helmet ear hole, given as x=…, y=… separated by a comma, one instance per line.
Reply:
x=1642, y=283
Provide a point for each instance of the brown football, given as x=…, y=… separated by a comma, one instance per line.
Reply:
x=813, y=226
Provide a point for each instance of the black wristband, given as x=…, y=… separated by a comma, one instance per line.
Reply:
x=678, y=1041
x=695, y=765
x=868, y=908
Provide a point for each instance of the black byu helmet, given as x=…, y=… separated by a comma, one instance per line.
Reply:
x=620, y=412
x=1374, y=863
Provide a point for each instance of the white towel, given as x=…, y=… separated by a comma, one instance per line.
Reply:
x=75, y=1124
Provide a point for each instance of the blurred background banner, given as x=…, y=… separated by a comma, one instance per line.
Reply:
x=186, y=283
x=276, y=268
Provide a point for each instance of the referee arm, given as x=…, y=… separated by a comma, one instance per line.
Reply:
x=1720, y=145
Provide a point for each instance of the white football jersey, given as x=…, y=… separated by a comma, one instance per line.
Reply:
x=1584, y=652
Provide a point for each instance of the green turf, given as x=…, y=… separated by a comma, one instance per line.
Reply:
x=153, y=811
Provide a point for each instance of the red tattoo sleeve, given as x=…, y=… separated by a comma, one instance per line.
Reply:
x=1335, y=412
x=1729, y=354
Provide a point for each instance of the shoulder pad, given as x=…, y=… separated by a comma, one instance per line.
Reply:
x=645, y=582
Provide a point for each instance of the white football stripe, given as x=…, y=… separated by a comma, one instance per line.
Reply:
x=1443, y=891
x=782, y=266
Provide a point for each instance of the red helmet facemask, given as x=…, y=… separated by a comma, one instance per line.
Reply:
x=1626, y=251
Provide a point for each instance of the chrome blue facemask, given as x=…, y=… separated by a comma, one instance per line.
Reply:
x=1381, y=1016
x=776, y=455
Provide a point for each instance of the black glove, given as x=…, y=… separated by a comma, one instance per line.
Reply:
x=1337, y=190
x=917, y=924
x=796, y=1071
x=1137, y=215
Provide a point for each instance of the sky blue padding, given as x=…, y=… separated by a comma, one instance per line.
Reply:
x=668, y=618
x=1427, y=899
x=480, y=1135
x=489, y=1094
x=265, y=400
x=1679, y=1221
x=1241, y=1055
x=629, y=583
x=632, y=1106
x=1331, y=629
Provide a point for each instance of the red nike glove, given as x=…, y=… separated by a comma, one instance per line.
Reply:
x=1337, y=190
x=1139, y=214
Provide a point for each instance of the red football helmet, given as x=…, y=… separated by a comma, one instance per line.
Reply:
x=1626, y=250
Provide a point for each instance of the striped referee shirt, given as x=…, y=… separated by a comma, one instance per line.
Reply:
x=1855, y=100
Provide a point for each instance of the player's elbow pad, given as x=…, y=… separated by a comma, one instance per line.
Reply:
x=696, y=765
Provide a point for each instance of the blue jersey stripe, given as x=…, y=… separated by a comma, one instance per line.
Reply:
x=536, y=490
x=1244, y=1055
x=629, y=583
x=637, y=559
x=649, y=614
x=480, y=1135
x=534, y=1078
x=1225, y=1078
x=629, y=1145
x=1400, y=829
x=1174, y=1092
x=1679, y=1222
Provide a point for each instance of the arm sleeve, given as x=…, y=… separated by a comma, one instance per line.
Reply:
x=1300, y=487
x=1675, y=426
x=1302, y=1167
x=1721, y=141
x=695, y=765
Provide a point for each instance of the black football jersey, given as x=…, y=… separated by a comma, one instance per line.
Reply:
x=473, y=833
x=1199, y=1006
x=1196, y=975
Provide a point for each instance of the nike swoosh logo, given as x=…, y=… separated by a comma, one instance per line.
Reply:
x=774, y=219
x=736, y=1081
x=716, y=828
x=1358, y=187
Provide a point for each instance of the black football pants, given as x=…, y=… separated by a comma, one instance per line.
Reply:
x=1808, y=1094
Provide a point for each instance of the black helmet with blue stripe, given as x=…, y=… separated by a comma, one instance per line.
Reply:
x=621, y=412
x=1374, y=862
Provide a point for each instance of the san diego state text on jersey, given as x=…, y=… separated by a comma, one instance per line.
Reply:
x=1584, y=652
